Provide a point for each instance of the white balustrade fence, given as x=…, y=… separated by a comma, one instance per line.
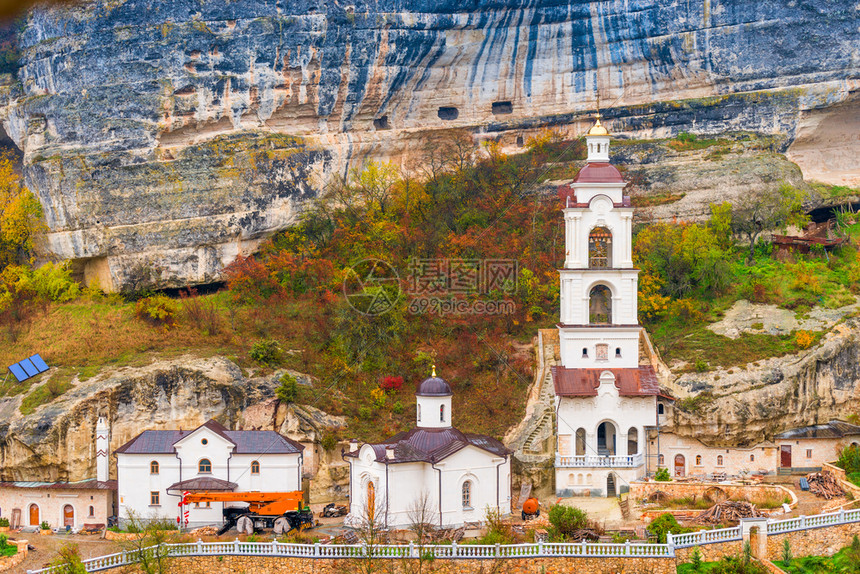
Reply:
x=597, y=461
x=466, y=551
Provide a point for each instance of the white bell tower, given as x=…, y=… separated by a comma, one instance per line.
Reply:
x=599, y=324
x=102, y=450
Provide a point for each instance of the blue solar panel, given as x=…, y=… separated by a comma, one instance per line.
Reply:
x=39, y=363
x=19, y=373
x=29, y=367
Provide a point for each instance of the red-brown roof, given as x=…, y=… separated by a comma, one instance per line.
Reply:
x=635, y=382
x=599, y=172
x=568, y=197
x=90, y=484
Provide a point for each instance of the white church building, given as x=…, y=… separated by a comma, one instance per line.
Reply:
x=604, y=398
x=459, y=475
x=157, y=466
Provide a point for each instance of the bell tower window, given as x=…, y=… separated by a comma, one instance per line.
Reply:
x=600, y=305
x=600, y=248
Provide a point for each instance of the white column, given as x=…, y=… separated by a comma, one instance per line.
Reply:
x=621, y=444
x=569, y=243
x=591, y=443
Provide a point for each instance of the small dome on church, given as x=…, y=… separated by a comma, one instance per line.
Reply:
x=434, y=387
x=597, y=129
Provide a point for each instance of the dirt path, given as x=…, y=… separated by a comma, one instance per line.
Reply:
x=46, y=548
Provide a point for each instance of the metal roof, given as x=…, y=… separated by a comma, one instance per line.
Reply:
x=246, y=441
x=89, y=484
x=632, y=382
x=432, y=445
x=204, y=483
x=832, y=429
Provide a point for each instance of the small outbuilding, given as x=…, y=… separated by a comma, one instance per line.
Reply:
x=434, y=469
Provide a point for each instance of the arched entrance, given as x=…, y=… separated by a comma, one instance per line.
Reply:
x=606, y=439
x=680, y=465
x=610, y=485
x=69, y=516
x=34, y=515
x=600, y=305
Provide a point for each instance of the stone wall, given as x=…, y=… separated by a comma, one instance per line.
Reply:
x=711, y=552
x=814, y=541
x=9, y=562
x=641, y=490
x=266, y=565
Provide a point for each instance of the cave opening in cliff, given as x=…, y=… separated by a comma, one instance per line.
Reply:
x=502, y=108
x=448, y=113
x=381, y=123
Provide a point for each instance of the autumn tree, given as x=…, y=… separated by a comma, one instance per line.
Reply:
x=767, y=210
x=20, y=216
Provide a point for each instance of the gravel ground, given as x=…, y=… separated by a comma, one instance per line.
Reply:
x=46, y=548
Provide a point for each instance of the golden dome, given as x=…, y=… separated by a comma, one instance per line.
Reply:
x=597, y=129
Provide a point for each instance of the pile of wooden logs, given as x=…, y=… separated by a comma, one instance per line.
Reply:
x=824, y=484
x=728, y=511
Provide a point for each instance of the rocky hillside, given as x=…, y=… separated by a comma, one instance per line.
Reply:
x=57, y=441
x=752, y=403
x=171, y=136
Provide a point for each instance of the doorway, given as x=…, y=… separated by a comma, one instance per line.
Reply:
x=606, y=439
x=68, y=516
x=610, y=485
x=680, y=465
x=785, y=456
x=34, y=515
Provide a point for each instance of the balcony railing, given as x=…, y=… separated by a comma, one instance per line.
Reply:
x=598, y=461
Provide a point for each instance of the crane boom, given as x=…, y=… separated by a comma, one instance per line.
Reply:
x=266, y=503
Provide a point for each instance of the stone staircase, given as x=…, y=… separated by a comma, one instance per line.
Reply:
x=531, y=440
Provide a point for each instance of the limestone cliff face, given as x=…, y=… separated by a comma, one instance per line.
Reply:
x=175, y=134
x=760, y=400
x=57, y=441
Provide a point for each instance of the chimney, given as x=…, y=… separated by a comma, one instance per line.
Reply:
x=353, y=445
x=389, y=452
x=102, y=450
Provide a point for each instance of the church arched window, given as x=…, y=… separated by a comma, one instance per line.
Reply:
x=467, y=494
x=720, y=460
x=600, y=248
x=442, y=413
x=698, y=460
x=661, y=460
x=419, y=413
x=580, y=442
x=600, y=305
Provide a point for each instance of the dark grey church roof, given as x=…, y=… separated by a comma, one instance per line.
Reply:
x=246, y=441
x=432, y=445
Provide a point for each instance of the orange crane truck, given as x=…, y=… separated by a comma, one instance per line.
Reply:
x=263, y=510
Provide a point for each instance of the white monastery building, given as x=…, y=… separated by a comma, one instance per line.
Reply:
x=604, y=398
x=157, y=466
x=459, y=475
